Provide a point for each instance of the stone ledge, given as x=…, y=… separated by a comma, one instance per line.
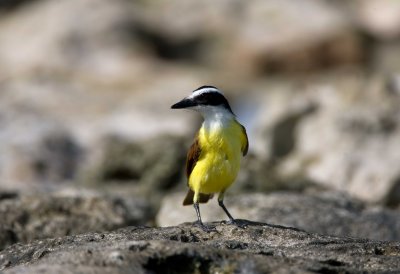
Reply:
x=259, y=248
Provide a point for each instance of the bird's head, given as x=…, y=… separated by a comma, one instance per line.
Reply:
x=207, y=100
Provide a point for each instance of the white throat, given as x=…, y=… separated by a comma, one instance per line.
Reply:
x=215, y=118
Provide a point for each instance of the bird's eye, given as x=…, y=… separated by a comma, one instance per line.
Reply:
x=203, y=98
x=210, y=99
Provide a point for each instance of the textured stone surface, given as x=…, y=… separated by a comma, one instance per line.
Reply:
x=37, y=216
x=380, y=18
x=153, y=165
x=328, y=213
x=43, y=141
x=259, y=248
x=341, y=144
x=81, y=81
x=330, y=133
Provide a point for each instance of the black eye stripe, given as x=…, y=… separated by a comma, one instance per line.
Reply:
x=211, y=98
x=206, y=96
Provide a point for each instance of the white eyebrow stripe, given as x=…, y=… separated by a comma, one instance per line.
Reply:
x=204, y=90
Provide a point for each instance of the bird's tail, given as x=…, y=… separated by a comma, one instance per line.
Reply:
x=203, y=198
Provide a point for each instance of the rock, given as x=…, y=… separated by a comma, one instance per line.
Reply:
x=53, y=156
x=259, y=248
x=37, y=216
x=330, y=131
x=153, y=165
x=122, y=43
x=264, y=36
x=180, y=31
x=92, y=50
x=327, y=213
x=340, y=145
x=272, y=112
x=273, y=37
x=34, y=148
x=172, y=212
x=387, y=62
x=7, y=5
x=380, y=19
x=275, y=109
x=74, y=84
x=79, y=126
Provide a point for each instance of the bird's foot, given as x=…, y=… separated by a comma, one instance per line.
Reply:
x=236, y=222
x=206, y=228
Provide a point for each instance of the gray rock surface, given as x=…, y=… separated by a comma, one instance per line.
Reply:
x=272, y=36
x=259, y=248
x=151, y=166
x=37, y=216
x=264, y=39
x=49, y=155
x=379, y=18
x=42, y=141
x=339, y=143
x=329, y=133
x=328, y=213
x=83, y=81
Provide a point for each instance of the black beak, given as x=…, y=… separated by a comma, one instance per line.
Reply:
x=185, y=103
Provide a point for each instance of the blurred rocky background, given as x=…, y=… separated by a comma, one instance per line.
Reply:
x=88, y=141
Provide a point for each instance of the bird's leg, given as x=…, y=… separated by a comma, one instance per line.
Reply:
x=221, y=204
x=231, y=219
x=196, y=207
x=199, y=221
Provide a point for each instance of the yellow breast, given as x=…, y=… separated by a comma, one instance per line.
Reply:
x=219, y=161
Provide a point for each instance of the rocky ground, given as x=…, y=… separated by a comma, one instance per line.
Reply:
x=258, y=248
x=38, y=216
x=327, y=213
x=323, y=232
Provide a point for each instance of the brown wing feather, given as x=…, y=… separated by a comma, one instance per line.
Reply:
x=246, y=146
x=192, y=157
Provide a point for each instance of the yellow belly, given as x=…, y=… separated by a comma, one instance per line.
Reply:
x=212, y=174
x=219, y=160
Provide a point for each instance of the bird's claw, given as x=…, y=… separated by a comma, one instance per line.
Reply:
x=235, y=222
x=206, y=228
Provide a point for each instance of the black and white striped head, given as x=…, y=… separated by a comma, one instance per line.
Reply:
x=205, y=99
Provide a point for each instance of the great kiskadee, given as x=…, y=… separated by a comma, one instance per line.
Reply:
x=213, y=160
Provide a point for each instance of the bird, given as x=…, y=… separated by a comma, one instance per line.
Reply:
x=213, y=160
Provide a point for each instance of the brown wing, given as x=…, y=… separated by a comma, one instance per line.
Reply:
x=246, y=146
x=192, y=157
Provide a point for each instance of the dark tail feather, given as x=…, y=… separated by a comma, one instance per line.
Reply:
x=189, y=198
x=203, y=198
